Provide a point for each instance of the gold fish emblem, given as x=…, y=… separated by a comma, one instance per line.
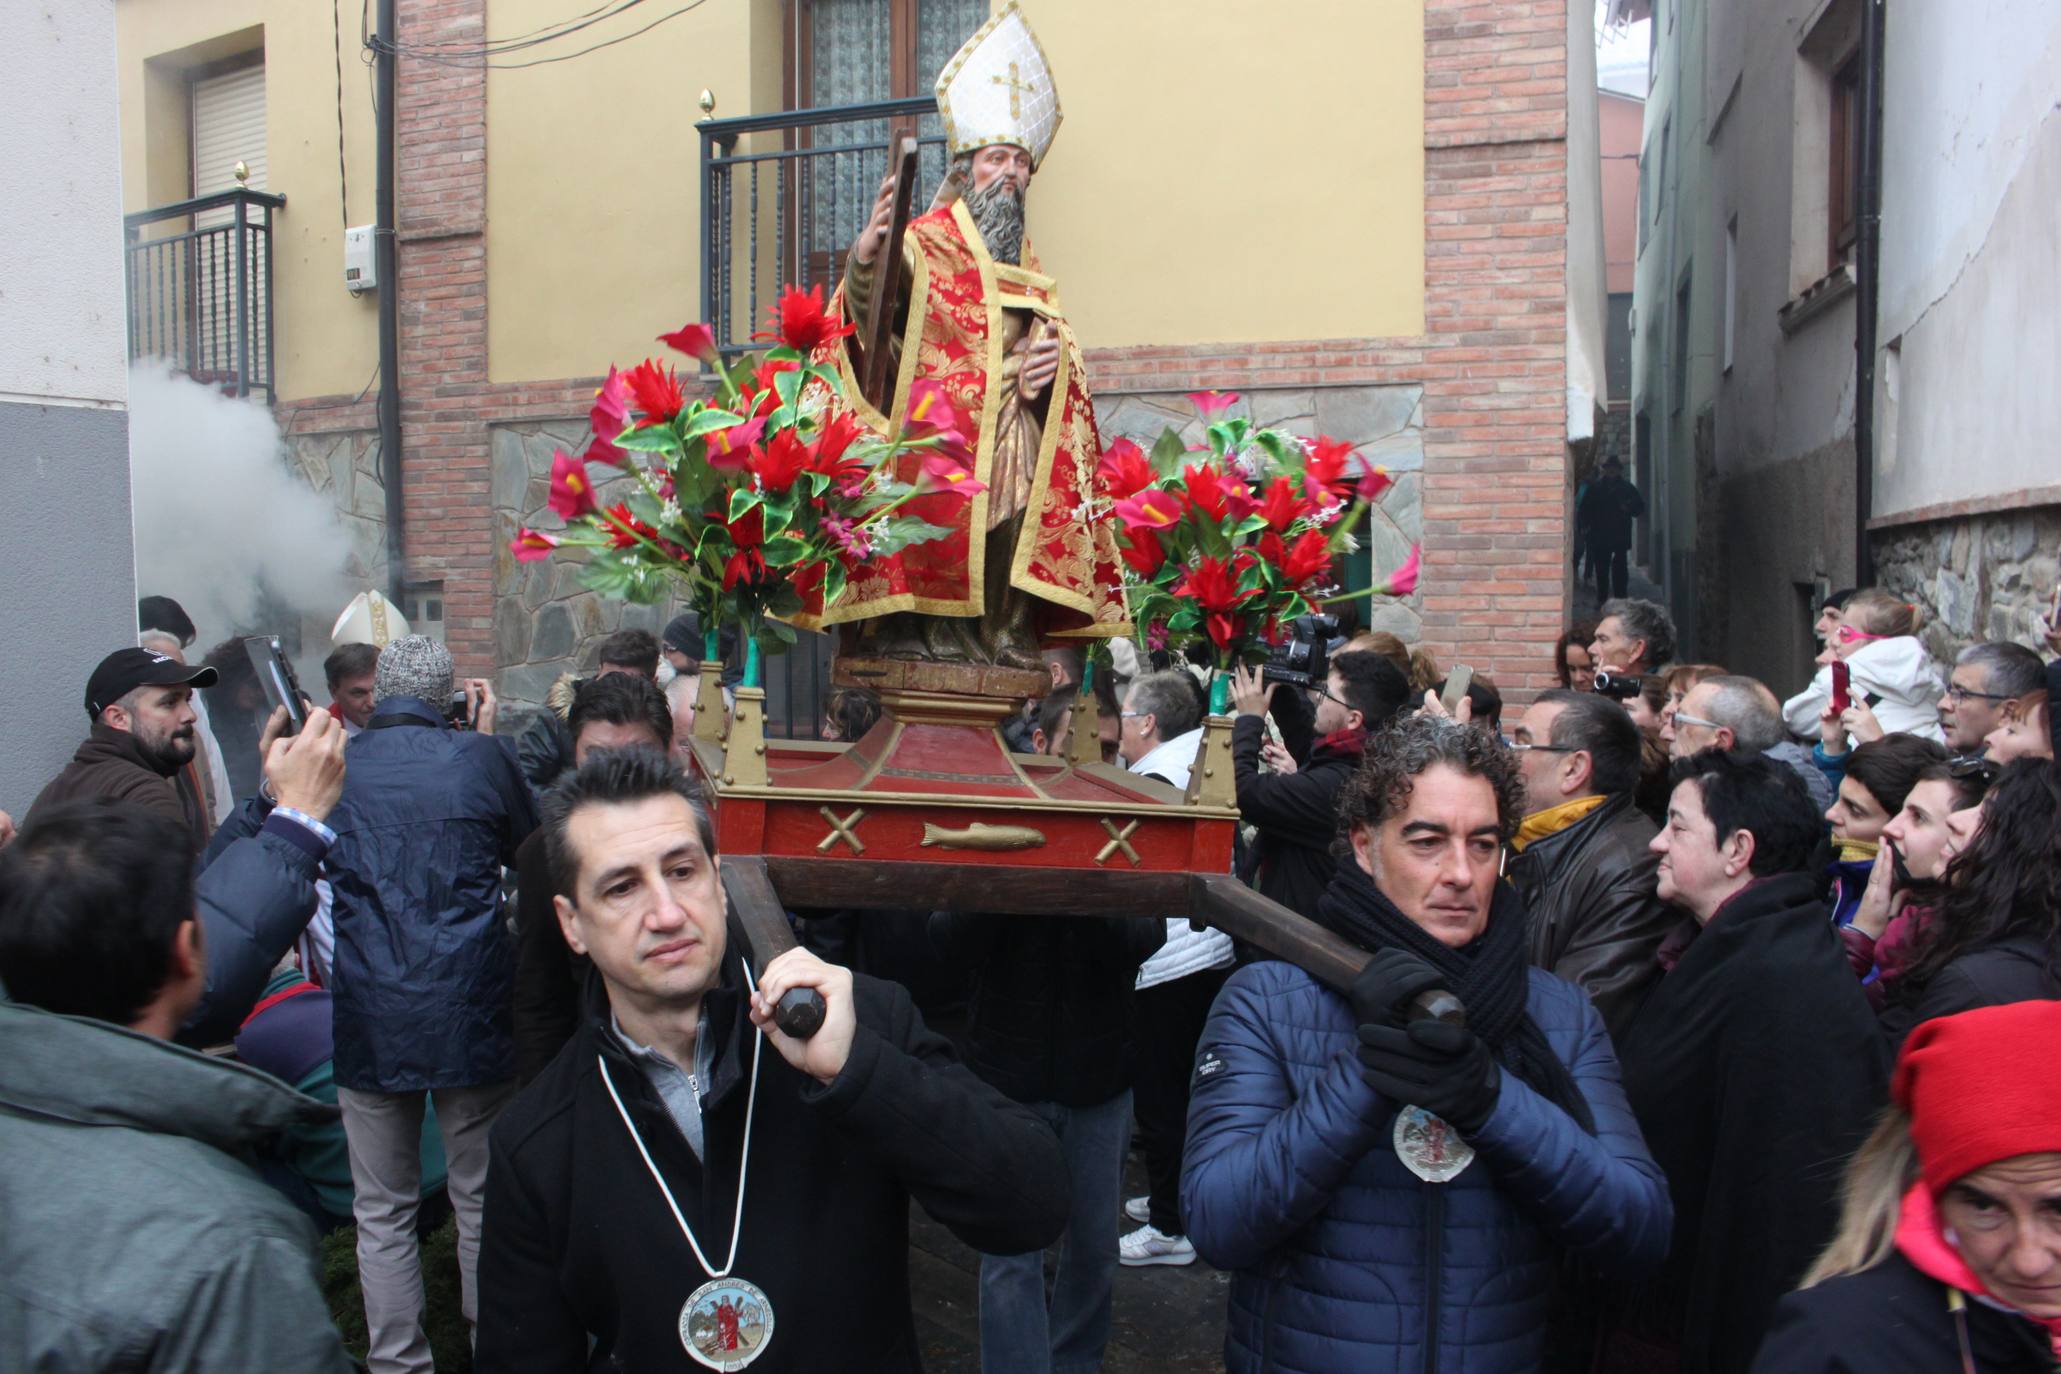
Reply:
x=978, y=836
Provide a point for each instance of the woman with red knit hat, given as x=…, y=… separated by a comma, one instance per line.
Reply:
x=1948, y=1256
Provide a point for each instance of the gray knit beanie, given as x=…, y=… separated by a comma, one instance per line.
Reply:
x=413, y=666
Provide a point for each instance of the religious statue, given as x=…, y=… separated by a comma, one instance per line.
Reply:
x=979, y=325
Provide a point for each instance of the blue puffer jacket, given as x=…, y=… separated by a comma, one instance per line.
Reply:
x=1344, y=1259
x=424, y=961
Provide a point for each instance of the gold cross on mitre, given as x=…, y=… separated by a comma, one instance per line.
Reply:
x=1016, y=90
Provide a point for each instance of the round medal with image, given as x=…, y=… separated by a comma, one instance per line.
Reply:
x=726, y=1324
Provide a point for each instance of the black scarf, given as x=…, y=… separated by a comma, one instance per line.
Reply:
x=1489, y=976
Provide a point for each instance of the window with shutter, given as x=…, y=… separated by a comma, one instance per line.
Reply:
x=228, y=128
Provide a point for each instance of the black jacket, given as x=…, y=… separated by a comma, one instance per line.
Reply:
x=548, y=975
x=1894, y=1320
x=1052, y=1000
x=1756, y=1069
x=579, y=1245
x=1296, y=814
x=1607, y=511
x=2013, y=970
x=1595, y=918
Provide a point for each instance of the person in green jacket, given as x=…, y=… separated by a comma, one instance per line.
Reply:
x=132, y=1232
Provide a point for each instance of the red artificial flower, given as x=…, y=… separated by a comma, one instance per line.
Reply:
x=656, y=390
x=530, y=545
x=1142, y=551
x=777, y=464
x=609, y=417
x=623, y=527
x=802, y=322
x=1306, y=558
x=827, y=454
x=1282, y=506
x=748, y=536
x=1324, y=474
x=765, y=373
x=1213, y=586
x=942, y=473
x=695, y=340
x=1373, y=482
x=1125, y=470
x=729, y=450
x=1403, y=580
x=1212, y=403
x=572, y=495
x=1216, y=495
x=1150, y=509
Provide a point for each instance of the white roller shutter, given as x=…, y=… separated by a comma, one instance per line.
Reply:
x=228, y=127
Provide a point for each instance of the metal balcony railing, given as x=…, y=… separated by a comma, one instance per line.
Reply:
x=199, y=279
x=783, y=196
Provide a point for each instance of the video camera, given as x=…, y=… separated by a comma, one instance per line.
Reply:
x=1305, y=659
x=1620, y=686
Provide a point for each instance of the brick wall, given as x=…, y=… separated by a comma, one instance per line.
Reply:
x=1491, y=362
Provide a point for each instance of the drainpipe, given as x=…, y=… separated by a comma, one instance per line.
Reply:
x=1867, y=285
x=387, y=265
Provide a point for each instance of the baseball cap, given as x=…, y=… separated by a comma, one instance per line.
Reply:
x=124, y=670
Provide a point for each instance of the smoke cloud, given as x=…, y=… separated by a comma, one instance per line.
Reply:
x=224, y=525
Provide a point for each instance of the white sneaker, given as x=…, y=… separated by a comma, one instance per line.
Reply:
x=1138, y=1209
x=1148, y=1245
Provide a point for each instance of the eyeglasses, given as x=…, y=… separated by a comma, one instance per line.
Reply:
x=1325, y=693
x=1960, y=693
x=1517, y=748
x=1684, y=718
x=1975, y=766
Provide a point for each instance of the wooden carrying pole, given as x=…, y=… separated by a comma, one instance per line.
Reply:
x=876, y=379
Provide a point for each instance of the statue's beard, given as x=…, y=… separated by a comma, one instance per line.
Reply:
x=997, y=212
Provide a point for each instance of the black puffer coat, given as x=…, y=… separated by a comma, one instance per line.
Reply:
x=1052, y=1000
x=1894, y=1320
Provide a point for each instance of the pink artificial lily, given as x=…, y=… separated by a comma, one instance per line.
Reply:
x=1151, y=509
x=1403, y=580
x=1212, y=404
x=530, y=545
x=695, y=340
x=572, y=495
x=609, y=417
x=729, y=450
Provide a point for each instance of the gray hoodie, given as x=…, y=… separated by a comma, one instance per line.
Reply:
x=132, y=1236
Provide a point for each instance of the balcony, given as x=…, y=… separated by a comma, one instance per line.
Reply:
x=199, y=276
x=783, y=196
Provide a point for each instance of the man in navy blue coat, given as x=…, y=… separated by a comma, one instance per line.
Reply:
x=424, y=971
x=1395, y=1191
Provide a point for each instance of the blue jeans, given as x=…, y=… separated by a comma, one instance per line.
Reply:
x=1016, y=1332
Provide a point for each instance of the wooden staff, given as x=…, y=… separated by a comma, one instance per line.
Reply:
x=877, y=376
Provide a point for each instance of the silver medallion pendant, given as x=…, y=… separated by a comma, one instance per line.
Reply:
x=726, y=1324
x=1429, y=1148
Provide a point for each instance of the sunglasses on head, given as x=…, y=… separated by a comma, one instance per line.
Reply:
x=1978, y=766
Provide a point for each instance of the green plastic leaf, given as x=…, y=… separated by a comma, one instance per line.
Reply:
x=786, y=550
x=742, y=500
x=1167, y=453
x=708, y=422
x=651, y=439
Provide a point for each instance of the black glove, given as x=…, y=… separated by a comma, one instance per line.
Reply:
x=1443, y=1068
x=1392, y=977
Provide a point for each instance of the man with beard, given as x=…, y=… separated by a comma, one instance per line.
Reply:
x=141, y=706
x=996, y=365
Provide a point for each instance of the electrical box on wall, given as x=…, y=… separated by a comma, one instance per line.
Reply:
x=361, y=264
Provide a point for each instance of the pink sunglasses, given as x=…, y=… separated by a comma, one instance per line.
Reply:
x=1848, y=634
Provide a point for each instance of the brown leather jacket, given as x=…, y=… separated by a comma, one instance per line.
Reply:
x=1595, y=918
x=109, y=767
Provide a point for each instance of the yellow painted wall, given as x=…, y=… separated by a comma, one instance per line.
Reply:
x=327, y=342
x=1226, y=172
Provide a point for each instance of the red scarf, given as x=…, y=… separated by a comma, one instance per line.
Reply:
x=1351, y=742
x=1922, y=1237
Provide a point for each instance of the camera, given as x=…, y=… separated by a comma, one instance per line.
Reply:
x=1305, y=659
x=458, y=711
x=1620, y=686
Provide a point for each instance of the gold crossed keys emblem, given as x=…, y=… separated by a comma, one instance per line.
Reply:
x=1016, y=90
x=1119, y=842
x=845, y=830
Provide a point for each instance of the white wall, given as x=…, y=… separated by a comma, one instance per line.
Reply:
x=1587, y=312
x=62, y=322
x=1971, y=279
x=64, y=434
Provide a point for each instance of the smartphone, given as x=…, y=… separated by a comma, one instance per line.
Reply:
x=1457, y=683
x=276, y=675
x=1842, y=686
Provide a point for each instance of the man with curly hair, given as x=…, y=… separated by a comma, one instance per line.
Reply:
x=1317, y=1119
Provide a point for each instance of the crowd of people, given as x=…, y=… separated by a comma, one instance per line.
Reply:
x=1701, y=1029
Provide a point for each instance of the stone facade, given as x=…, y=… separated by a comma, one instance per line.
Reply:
x=1387, y=422
x=1977, y=577
x=343, y=465
x=545, y=622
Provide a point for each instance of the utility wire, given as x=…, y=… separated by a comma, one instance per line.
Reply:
x=469, y=47
x=481, y=58
x=343, y=180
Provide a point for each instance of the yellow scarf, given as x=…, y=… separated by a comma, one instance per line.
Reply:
x=1853, y=851
x=1553, y=820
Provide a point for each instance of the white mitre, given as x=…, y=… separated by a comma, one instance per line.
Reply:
x=998, y=89
x=369, y=619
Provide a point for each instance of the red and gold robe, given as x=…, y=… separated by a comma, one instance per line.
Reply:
x=956, y=336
